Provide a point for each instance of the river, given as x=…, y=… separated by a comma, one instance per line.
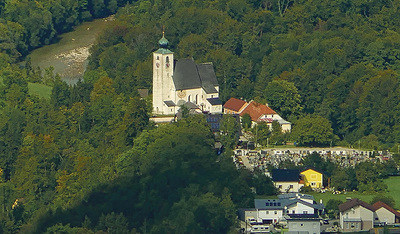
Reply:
x=69, y=55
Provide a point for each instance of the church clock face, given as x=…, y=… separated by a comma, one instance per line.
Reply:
x=181, y=93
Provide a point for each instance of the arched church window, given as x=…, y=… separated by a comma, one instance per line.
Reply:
x=167, y=59
x=189, y=98
x=196, y=98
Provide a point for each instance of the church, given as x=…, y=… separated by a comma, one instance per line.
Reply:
x=183, y=82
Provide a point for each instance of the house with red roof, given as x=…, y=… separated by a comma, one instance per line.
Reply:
x=385, y=214
x=258, y=113
x=234, y=106
x=356, y=216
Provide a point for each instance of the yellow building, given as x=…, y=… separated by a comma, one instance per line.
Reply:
x=312, y=178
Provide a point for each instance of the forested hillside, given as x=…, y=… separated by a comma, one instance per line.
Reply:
x=335, y=59
x=87, y=159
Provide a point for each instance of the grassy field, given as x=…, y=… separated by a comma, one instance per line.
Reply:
x=393, y=191
x=40, y=90
x=37, y=89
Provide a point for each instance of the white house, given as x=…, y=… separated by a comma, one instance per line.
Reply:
x=181, y=82
x=287, y=181
x=271, y=211
x=385, y=214
x=258, y=113
x=303, y=223
x=356, y=216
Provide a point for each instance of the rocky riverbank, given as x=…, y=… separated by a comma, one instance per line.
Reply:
x=69, y=55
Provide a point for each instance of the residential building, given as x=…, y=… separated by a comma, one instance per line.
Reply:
x=385, y=214
x=234, y=106
x=287, y=180
x=273, y=211
x=303, y=223
x=177, y=82
x=312, y=178
x=258, y=113
x=356, y=215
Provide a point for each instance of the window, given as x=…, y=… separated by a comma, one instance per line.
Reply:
x=167, y=59
x=313, y=184
x=267, y=212
x=271, y=204
x=305, y=212
x=276, y=212
x=196, y=99
x=293, y=211
x=280, y=186
x=189, y=98
x=279, y=204
x=274, y=203
x=158, y=58
x=267, y=204
x=291, y=186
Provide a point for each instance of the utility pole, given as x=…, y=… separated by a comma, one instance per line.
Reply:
x=256, y=134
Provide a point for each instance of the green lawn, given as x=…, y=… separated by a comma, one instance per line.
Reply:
x=40, y=90
x=393, y=183
x=328, y=196
x=393, y=191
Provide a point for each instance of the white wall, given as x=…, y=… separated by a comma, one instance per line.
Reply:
x=285, y=185
x=304, y=225
x=300, y=208
x=385, y=215
x=274, y=215
x=366, y=216
x=162, y=82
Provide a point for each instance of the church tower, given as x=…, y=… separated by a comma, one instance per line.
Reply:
x=163, y=86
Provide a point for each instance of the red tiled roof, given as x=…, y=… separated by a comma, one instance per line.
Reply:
x=256, y=110
x=267, y=120
x=353, y=203
x=380, y=204
x=234, y=104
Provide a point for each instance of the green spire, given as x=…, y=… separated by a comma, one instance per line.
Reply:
x=163, y=42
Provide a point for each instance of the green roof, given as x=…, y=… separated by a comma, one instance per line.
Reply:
x=163, y=51
x=163, y=42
